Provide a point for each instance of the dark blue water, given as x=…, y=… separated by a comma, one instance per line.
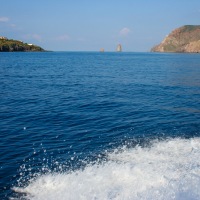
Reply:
x=58, y=109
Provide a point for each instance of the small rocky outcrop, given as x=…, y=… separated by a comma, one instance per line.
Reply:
x=183, y=39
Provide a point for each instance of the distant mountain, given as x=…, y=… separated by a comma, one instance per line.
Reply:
x=9, y=45
x=183, y=39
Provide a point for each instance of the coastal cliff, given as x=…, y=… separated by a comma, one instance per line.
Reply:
x=9, y=45
x=184, y=39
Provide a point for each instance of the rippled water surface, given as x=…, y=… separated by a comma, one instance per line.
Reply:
x=85, y=125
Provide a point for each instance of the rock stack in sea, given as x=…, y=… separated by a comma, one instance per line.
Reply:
x=119, y=48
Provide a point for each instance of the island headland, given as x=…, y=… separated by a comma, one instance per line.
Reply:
x=185, y=39
x=10, y=45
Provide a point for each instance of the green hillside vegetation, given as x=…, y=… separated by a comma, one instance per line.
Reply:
x=9, y=45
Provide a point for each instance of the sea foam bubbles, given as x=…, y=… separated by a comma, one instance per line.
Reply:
x=168, y=169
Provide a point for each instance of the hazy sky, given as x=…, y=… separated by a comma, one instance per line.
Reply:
x=88, y=25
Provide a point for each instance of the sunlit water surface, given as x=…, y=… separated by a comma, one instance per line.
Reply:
x=85, y=125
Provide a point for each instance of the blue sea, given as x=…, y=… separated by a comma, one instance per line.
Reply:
x=99, y=126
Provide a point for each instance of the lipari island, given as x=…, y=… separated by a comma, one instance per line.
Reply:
x=10, y=45
x=185, y=39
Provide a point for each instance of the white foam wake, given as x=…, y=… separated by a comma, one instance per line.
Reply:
x=167, y=170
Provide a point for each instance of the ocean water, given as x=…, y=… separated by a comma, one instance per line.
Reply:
x=86, y=125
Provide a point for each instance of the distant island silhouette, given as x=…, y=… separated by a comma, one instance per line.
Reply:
x=184, y=39
x=10, y=45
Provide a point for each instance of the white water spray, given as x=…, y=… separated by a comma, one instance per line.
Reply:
x=168, y=169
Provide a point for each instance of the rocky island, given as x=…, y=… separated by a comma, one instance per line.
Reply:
x=10, y=45
x=184, y=39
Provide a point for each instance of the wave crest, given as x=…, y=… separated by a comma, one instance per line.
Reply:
x=167, y=169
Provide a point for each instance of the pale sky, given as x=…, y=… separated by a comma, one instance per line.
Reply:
x=88, y=25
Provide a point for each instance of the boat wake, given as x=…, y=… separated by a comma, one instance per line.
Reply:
x=168, y=169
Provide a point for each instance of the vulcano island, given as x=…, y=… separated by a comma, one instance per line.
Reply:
x=10, y=45
x=183, y=39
